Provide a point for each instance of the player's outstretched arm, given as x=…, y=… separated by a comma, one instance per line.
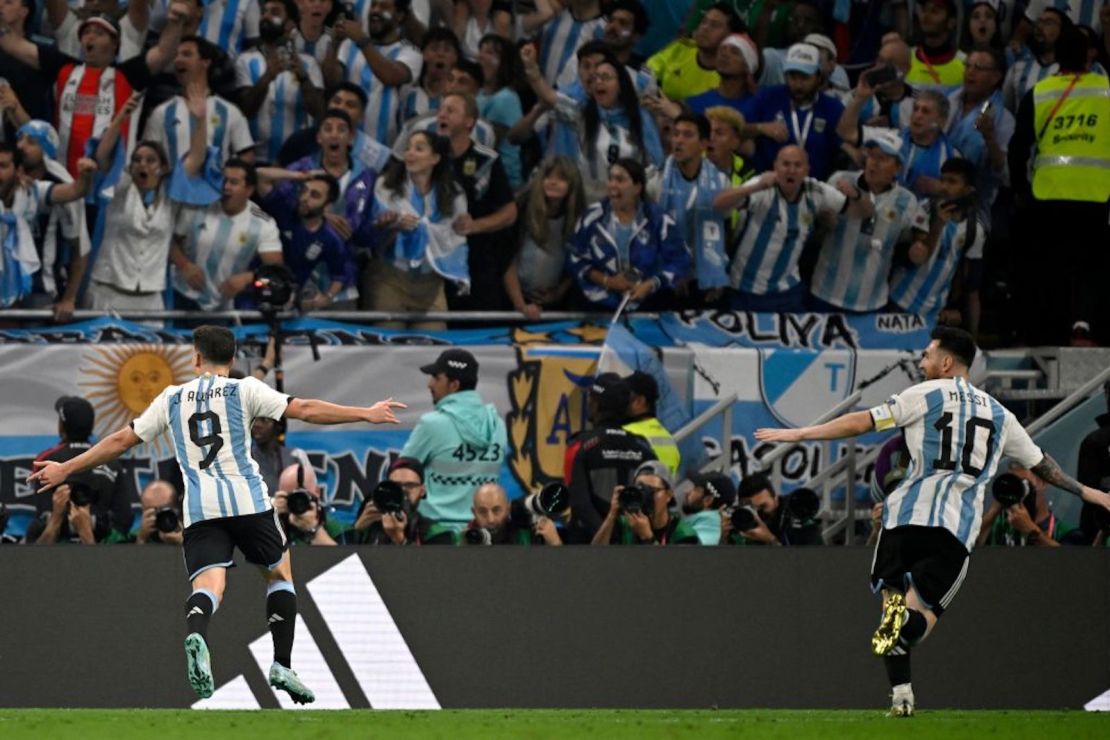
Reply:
x=848, y=425
x=49, y=473
x=1049, y=470
x=315, y=411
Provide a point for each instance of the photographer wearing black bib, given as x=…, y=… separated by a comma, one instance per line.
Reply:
x=390, y=516
x=763, y=517
x=301, y=509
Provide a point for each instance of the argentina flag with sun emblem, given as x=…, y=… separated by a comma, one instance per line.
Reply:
x=799, y=385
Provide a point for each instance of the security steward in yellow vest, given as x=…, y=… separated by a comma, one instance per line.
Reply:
x=641, y=410
x=1059, y=161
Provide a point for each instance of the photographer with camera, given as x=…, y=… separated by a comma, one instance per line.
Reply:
x=1018, y=514
x=706, y=506
x=390, y=516
x=765, y=518
x=639, y=513
x=160, y=521
x=297, y=502
x=100, y=498
x=603, y=458
x=523, y=522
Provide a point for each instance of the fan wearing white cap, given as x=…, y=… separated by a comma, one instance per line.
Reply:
x=856, y=256
x=835, y=79
x=782, y=206
x=737, y=66
x=797, y=113
x=67, y=25
x=89, y=93
x=61, y=230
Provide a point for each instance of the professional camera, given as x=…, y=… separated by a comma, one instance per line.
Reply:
x=298, y=501
x=636, y=499
x=478, y=536
x=81, y=493
x=273, y=287
x=1009, y=489
x=744, y=518
x=551, y=501
x=802, y=505
x=166, y=519
x=388, y=497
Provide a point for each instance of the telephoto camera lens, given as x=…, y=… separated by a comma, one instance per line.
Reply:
x=478, y=536
x=551, y=501
x=298, y=501
x=803, y=504
x=166, y=519
x=743, y=518
x=636, y=499
x=1009, y=489
x=388, y=497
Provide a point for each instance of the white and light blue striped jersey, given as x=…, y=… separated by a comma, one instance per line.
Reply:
x=898, y=115
x=283, y=112
x=853, y=268
x=209, y=419
x=482, y=133
x=923, y=289
x=561, y=38
x=1023, y=77
x=222, y=245
x=774, y=232
x=1081, y=12
x=171, y=126
x=416, y=102
x=380, y=119
x=228, y=23
x=918, y=161
x=956, y=435
x=317, y=49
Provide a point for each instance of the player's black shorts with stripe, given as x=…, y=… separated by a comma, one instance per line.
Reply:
x=210, y=543
x=930, y=559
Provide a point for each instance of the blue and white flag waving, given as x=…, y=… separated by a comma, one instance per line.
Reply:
x=624, y=354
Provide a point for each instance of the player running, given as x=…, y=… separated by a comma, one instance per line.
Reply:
x=957, y=435
x=226, y=504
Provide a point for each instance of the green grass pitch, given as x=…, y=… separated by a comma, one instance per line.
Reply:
x=125, y=724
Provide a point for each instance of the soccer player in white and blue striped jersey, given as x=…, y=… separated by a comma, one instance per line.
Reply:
x=957, y=436
x=781, y=211
x=226, y=504
x=381, y=63
x=853, y=267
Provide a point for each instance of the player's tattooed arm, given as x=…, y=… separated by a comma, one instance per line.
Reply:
x=1049, y=471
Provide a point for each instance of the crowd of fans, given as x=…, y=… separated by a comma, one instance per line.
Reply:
x=426, y=155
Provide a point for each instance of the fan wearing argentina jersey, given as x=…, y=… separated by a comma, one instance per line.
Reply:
x=215, y=246
x=946, y=267
x=853, y=267
x=280, y=90
x=169, y=124
x=563, y=27
x=781, y=208
x=440, y=51
x=1037, y=61
x=229, y=23
x=226, y=504
x=957, y=437
x=381, y=63
x=312, y=36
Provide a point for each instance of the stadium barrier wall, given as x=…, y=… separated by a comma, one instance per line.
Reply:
x=570, y=627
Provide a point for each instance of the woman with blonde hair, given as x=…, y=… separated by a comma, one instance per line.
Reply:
x=549, y=206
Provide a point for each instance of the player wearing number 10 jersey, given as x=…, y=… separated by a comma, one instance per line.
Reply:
x=956, y=435
x=226, y=503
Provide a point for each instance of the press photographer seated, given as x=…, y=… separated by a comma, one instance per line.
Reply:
x=640, y=513
x=160, y=521
x=1018, y=514
x=390, y=516
x=528, y=521
x=302, y=513
x=765, y=518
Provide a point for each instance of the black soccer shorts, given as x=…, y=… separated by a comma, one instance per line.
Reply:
x=211, y=543
x=930, y=559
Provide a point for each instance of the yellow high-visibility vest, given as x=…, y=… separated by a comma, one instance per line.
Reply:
x=661, y=441
x=1072, y=160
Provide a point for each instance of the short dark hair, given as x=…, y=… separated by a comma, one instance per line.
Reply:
x=440, y=33
x=216, y=344
x=640, y=16
x=472, y=69
x=250, y=174
x=331, y=183
x=697, y=119
x=753, y=484
x=955, y=342
x=996, y=55
x=9, y=147
x=340, y=115
x=961, y=167
x=635, y=171
x=206, y=50
x=591, y=48
x=292, y=12
x=1071, y=47
x=352, y=88
x=735, y=23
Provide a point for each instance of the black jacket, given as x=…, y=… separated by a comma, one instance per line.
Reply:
x=606, y=457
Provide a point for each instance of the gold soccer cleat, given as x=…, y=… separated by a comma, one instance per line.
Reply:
x=894, y=616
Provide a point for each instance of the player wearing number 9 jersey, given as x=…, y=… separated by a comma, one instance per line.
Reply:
x=957, y=435
x=226, y=503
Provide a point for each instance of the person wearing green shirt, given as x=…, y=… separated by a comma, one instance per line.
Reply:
x=312, y=526
x=688, y=66
x=1029, y=523
x=648, y=520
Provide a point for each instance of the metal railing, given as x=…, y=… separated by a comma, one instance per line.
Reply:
x=722, y=408
x=1080, y=394
x=239, y=317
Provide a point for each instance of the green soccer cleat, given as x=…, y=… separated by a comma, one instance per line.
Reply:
x=894, y=616
x=288, y=681
x=199, y=665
